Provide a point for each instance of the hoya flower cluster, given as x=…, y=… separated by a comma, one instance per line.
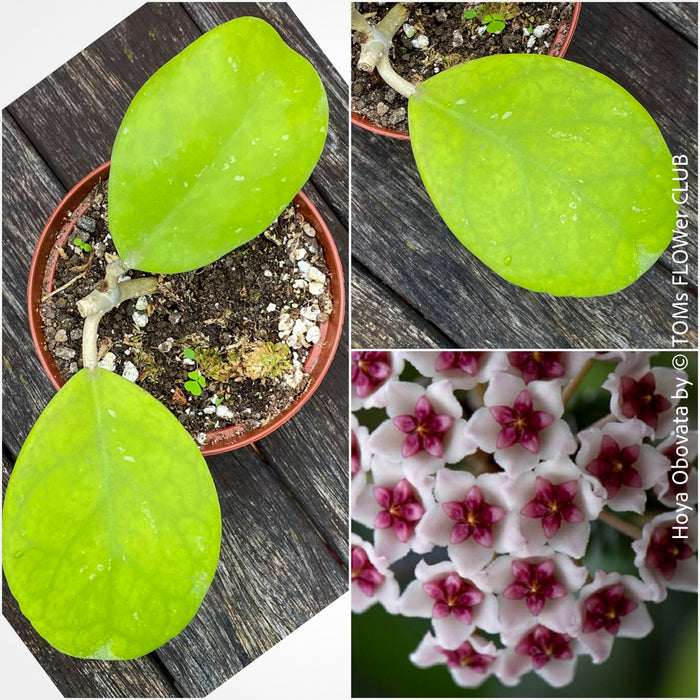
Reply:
x=472, y=470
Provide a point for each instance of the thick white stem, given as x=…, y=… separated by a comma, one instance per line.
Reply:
x=393, y=79
x=378, y=38
x=90, y=339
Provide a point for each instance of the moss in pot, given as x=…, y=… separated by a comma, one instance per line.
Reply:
x=111, y=522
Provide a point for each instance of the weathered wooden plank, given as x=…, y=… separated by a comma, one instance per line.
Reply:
x=330, y=176
x=398, y=233
x=274, y=574
x=72, y=116
x=30, y=192
x=387, y=318
x=682, y=17
x=400, y=238
x=85, y=678
x=658, y=67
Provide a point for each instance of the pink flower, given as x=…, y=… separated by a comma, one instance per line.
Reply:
x=470, y=518
x=469, y=664
x=535, y=589
x=665, y=555
x=645, y=394
x=551, y=654
x=464, y=369
x=521, y=423
x=555, y=503
x=611, y=606
x=371, y=579
x=425, y=429
x=359, y=458
x=369, y=373
x=624, y=466
x=454, y=603
x=538, y=365
x=392, y=505
x=679, y=483
x=521, y=426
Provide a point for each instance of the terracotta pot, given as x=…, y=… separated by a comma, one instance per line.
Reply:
x=559, y=46
x=58, y=231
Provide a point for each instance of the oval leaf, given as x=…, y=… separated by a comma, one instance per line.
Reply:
x=549, y=172
x=111, y=523
x=213, y=147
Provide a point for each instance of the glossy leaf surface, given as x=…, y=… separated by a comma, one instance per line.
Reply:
x=549, y=172
x=213, y=147
x=111, y=523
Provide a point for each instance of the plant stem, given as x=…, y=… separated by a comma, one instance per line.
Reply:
x=620, y=525
x=106, y=296
x=376, y=45
x=576, y=381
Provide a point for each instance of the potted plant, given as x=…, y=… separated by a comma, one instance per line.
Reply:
x=429, y=38
x=122, y=565
x=550, y=173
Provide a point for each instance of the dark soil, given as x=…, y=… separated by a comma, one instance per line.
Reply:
x=249, y=319
x=452, y=39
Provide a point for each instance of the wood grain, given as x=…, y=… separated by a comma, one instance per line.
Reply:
x=401, y=240
x=682, y=17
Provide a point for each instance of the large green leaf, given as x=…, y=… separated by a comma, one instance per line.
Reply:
x=213, y=147
x=549, y=172
x=111, y=523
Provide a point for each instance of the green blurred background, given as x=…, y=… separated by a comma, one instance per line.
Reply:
x=663, y=664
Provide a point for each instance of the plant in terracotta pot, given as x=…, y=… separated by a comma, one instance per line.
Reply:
x=549, y=172
x=111, y=522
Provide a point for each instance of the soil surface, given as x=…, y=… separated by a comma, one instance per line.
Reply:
x=437, y=36
x=223, y=345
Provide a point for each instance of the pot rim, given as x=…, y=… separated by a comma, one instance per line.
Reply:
x=317, y=364
x=365, y=123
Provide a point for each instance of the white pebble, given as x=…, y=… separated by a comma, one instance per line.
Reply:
x=541, y=30
x=166, y=345
x=313, y=274
x=409, y=30
x=61, y=336
x=421, y=42
x=141, y=304
x=108, y=362
x=139, y=319
x=303, y=266
x=313, y=335
x=224, y=412
x=209, y=410
x=130, y=372
x=300, y=253
x=271, y=307
x=315, y=288
x=531, y=42
x=285, y=323
x=267, y=273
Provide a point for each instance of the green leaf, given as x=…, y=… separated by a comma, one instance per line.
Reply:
x=202, y=381
x=213, y=147
x=189, y=353
x=111, y=523
x=495, y=26
x=487, y=19
x=194, y=374
x=469, y=14
x=564, y=188
x=193, y=387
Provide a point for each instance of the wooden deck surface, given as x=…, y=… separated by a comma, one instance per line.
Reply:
x=283, y=500
x=415, y=285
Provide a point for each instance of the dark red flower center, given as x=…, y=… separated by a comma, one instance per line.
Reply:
x=425, y=429
x=543, y=644
x=475, y=518
x=535, y=583
x=369, y=370
x=665, y=551
x=605, y=607
x=521, y=424
x=639, y=400
x=614, y=466
x=364, y=572
x=400, y=509
x=553, y=503
x=467, y=656
x=537, y=365
x=466, y=361
x=454, y=595
x=355, y=457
